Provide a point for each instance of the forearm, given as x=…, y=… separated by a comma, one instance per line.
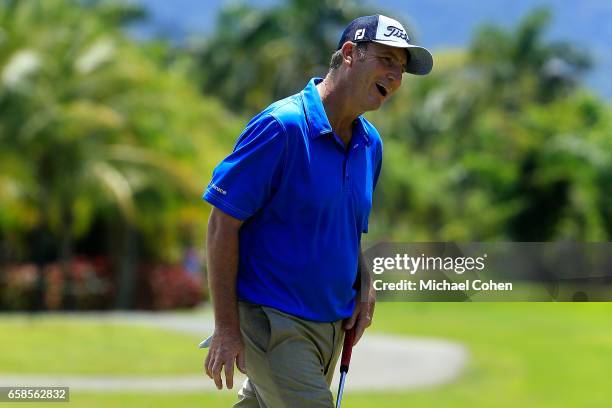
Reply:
x=222, y=264
x=363, y=274
x=365, y=301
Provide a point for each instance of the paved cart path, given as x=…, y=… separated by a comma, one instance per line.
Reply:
x=379, y=362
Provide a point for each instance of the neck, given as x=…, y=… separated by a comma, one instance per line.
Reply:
x=336, y=99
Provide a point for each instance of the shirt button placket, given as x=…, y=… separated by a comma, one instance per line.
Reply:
x=347, y=171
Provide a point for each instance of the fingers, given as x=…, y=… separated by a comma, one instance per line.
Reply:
x=221, y=357
x=363, y=322
x=216, y=374
x=229, y=375
x=359, y=329
x=372, y=305
x=207, y=365
x=241, y=363
x=213, y=367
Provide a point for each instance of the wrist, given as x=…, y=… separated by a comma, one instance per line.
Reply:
x=227, y=328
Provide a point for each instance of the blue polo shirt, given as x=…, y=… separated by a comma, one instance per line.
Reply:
x=305, y=199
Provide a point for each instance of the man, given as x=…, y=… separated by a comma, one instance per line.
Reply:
x=290, y=205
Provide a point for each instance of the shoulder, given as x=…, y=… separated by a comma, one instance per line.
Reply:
x=288, y=113
x=277, y=117
x=282, y=122
x=264, y=129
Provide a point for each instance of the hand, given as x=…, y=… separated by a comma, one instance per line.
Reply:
x=363, y=313
x=225, y=349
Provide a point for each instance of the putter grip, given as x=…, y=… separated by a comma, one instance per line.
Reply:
x=347, y=350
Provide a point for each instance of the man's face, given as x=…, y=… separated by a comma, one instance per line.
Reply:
x=377, y=75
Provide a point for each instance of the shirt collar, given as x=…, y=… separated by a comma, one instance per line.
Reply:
x=362, y=129
x=315, y=112
x=316, y=116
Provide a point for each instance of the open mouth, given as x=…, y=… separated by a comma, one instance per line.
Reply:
x=381, y=89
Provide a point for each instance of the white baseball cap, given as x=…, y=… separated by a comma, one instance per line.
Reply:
x=387, y=31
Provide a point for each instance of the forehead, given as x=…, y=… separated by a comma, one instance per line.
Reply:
x=380, y=49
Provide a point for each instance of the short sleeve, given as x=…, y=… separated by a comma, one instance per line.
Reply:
x=246, y=179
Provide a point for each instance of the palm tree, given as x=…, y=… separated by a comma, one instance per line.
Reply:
x=93, y=126
x=498, y=143
x=260, y=55
x=523, y=62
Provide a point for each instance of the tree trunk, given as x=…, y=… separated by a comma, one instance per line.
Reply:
x=66, y=254
x=127, y=266
x=43, y=252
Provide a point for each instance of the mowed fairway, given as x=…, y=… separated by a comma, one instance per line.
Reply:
x=521, y=355
x=63, y=346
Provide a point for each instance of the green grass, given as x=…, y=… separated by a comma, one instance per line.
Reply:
x=223, y=399
x=64, y=346
x=521, y=355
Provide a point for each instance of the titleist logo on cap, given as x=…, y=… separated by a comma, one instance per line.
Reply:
x=391, y=30
x=396, y=32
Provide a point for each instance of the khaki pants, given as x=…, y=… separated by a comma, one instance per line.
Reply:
x=290, y=361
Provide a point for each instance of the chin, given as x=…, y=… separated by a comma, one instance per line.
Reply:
x=374, y=105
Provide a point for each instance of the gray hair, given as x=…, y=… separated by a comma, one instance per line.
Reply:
x=336, y=58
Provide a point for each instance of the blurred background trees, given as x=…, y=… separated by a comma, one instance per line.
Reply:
x=104, y=148
x=500, y=143
x=107, y=143
x=258, y=55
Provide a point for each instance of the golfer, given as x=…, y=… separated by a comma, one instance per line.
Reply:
x=289, y=206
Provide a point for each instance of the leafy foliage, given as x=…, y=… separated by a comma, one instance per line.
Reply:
x=105, y=147
x=494, y=145
x=106, y=143
x=93, y=126
x=260, y=55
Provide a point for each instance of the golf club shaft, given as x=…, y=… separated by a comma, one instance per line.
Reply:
x=340, y=389
x=345, y=361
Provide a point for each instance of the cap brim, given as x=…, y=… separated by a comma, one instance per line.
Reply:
x=421, y=60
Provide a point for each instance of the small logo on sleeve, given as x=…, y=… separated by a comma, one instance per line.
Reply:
x=219, y=189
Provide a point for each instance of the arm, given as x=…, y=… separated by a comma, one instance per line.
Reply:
x=364, y=302
x=222, y=263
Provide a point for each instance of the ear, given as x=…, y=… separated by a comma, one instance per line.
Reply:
x=347, y=52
